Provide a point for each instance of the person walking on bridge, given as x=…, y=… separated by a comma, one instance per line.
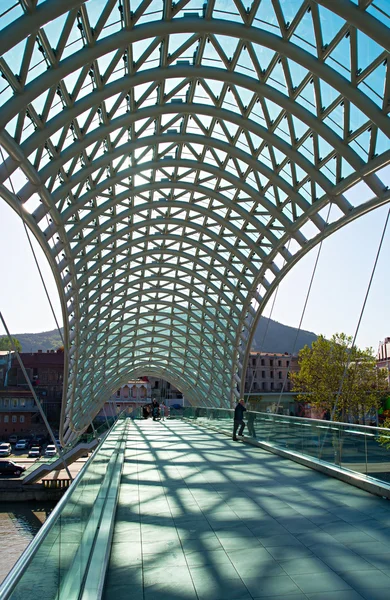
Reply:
x=239, y=419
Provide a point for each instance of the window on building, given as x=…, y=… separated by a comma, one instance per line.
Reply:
x=14, y=419
x=255, y=386
x=271, y=362
x=287, y=363
x=263, y=374
x=6, y=401
x=21, y=419
x=271, y=374
x=14, y=402
x=280, y=375
x=262, y=362
x=272, y=385
x=279, y=363
x=22, y=402
x=264, y=386
x=6, y=418
x=253, y=362
x=118, y=393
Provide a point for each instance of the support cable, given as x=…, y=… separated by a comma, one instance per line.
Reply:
x=303, y=312
x=265, y=333
x=34, y=254
x=360, y=317
x=35, y=397
x=338, y=394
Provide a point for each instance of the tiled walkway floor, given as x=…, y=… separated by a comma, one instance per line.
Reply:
x=202, y=517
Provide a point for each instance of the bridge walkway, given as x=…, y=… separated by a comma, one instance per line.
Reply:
x=202, y=517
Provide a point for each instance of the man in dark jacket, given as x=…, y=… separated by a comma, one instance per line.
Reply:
x=239, y=419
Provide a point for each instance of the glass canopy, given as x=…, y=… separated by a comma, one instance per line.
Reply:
x=175, y=160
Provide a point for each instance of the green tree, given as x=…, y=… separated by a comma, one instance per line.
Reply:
x=384, y=438
x=321, y=372
x=5, y=344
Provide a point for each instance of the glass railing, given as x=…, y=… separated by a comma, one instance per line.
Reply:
x=53, y=566
x=85, y=438
x=351, y=447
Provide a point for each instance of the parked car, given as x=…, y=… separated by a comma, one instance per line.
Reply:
x=8, y=467
x=51, y=450
x=35, y=442
x=21, y=445
x=5, y=449
x=13, y=439
x=34, y=452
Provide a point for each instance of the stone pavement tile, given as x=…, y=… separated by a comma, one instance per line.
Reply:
x=338, y=527
x=379, y=534
x=289, y=552
x=201, y=544
x=253, y=570
x=207, y=557
x=125, y=554
x=299, y=596
x=365, y=549
x=321, y=582
x=325, y=517
x=250, y=559
x=124, y=584
x=224, y=521
x=349, y=562
x=286, y=539
x=273, y=528
x=349, y=537
x=151, y=533
x=367, y=579
x=158, y=547
x=304, y=565
x=239, y=542
x=335, y=549
x=173, y=558
x=223, y=584
x=297, y=524
x=349, y=515
x=264, y=587
x=126, y=534
x=192, y=531
x=168, y=583
x=380, y=561
x=344, y=595
x=235, y=533
x=316, y=537
x=189, y=518
x=375, y=594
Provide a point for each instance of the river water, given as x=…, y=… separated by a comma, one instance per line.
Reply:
x=19, y=522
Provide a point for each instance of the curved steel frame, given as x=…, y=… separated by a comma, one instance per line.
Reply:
x=179, y=162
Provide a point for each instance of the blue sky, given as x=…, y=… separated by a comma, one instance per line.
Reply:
x=338, y=291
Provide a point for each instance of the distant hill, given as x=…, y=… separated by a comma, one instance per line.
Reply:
x=47, y=340
x=279, y=338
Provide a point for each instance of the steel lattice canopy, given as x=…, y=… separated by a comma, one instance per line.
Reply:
x=180, y=159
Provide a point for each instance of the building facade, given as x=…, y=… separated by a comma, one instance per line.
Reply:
x=383, y=356
x=269, y=372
